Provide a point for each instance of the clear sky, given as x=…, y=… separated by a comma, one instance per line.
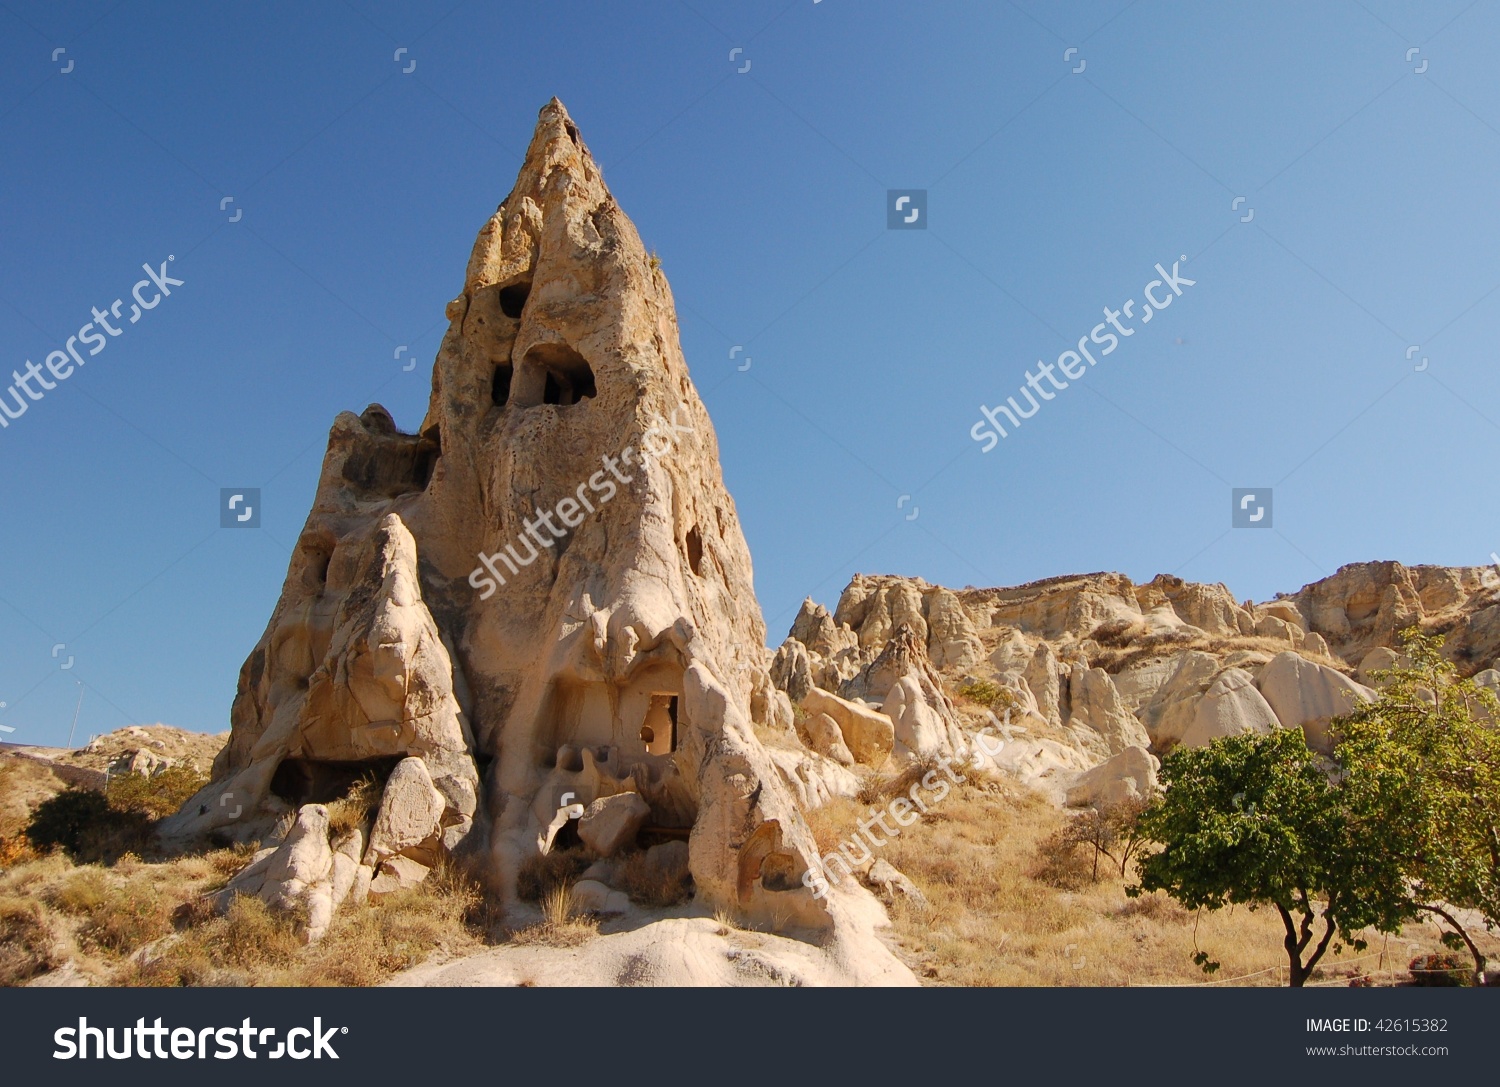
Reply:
x=319, y=201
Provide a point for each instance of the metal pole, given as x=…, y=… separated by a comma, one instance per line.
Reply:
x=76, y=708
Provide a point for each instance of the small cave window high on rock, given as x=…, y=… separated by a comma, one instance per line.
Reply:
x=513, y=299
x=554, y=373
x=500, y=384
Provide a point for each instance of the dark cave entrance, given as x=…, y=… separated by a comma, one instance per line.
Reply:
x=301, y=781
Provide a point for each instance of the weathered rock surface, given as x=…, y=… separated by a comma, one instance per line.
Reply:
x=548, y=579
x=612, y=822
x=1097, y=705
x=1307, y=696
x=409, y=820
x=822, y=734
x=1170, y=712
x=1130, y=775
x=1232, y=705
x=869, y=734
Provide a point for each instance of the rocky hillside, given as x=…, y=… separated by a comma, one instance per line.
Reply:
x=30, y=774
x=1085, y=680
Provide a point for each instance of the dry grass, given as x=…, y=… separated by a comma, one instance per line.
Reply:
x=559, y=926
x=651, y=884
x=356, y=809
x=1123, y=647
x=254, y=945
x=1002, y=912
x=138, y=923
x=540, y=875
x=28, y=946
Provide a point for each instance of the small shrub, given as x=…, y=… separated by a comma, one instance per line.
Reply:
x=118, y=915
x=155, y=797
x=16, y=850
x=85, y=825
x=558, y=928
x=356, y=809
x=1061, y=861
x=987, y=693
x=82, y=892
x=540, y=875
x=63, y=821
x=132, y=916
x=27, y=947
x=1441, y=971
x=651, y=884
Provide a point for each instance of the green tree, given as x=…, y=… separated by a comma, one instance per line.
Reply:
x=1424, y=757
x=1254, y=820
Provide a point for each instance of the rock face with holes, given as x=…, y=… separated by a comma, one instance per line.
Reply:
x=544, y=591
x=1075, y=684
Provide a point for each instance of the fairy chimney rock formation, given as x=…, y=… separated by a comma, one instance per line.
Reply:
x=543, y=591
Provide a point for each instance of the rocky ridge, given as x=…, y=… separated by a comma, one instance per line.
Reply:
x=1094, y=677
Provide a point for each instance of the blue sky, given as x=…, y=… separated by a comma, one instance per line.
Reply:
x=358, y=187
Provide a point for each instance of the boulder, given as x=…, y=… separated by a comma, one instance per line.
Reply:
x=612, y=822
x=590, y=896
x=409, y=820
x=890, y=883
x=1232, y=705
x=1380, y=659
x=791, y=670
x=952, y=642
x=1128, y=776
x=397, y=874
x=1097, y=705
x=821, y=733
x=1044, y=680
x=918, y=727
x=869, y=734
x=303, y=859
x=344, y=871
x=1171, y=710
x=815, y=628
x=1307, y=696
x=670, y=859
x=1278, y=629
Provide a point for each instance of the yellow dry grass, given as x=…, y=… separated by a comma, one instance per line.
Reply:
x=1001, y=913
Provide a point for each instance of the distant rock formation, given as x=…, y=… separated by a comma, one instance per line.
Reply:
x=1096, y=674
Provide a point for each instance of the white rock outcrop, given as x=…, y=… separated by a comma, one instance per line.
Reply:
x=1130, y=775
x=1232, y=705
x=1307, y=696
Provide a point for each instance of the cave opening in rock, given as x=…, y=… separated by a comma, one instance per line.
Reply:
x=695, y=550
x=500, y=384
x=554, y=373
x=659, y=729
x=301, y=781
x=513, y=299
x=395, y=464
